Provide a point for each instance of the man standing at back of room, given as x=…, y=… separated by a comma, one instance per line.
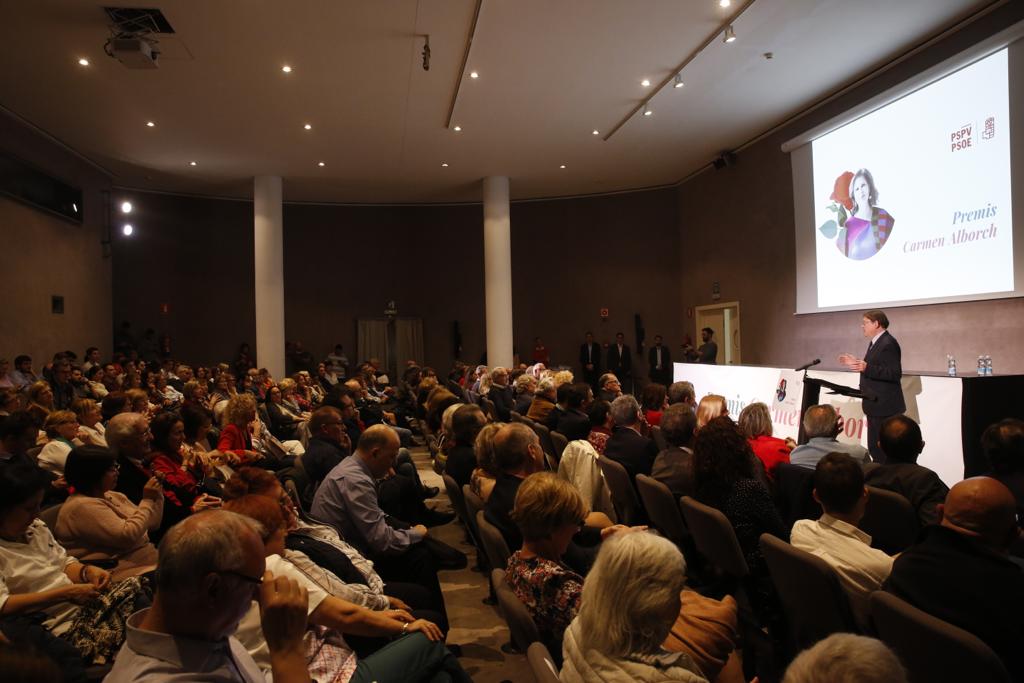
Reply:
x=880, y=372
x=620, y=363
x=590, y=360
x=659, y=362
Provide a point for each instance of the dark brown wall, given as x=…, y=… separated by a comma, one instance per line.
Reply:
x=737, y=228
x=570, y=258
x=45, y=256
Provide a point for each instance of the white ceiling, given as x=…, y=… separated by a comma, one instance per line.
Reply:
x=551, y=71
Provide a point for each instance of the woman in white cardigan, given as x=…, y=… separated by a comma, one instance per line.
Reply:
x=98, y=523
x=630, y=601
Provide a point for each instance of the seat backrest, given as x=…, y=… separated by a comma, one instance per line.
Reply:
x=455, y=496
x=814, y=600
x=662, y=509
x=559, y=442
x=520, y=623
x=49, y=516
x=544, y=434
x=794, y=493
x=542, y=664
x=473, y=503
x=627, y=505
x=488, y=407
x=515, y=417
x=659, y=438
x=494, y=543
x=930, y=648
x=714, y=537
x=890, y=520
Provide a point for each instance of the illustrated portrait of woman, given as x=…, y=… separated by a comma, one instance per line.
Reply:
x=869, y=226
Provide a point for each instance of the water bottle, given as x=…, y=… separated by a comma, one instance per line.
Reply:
x=950, y=365
x=988, y=365
x=981, y=366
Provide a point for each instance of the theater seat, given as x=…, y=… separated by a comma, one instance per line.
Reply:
x=542, y=664
x=890, y=520
x=628, y=508
x=520, y=623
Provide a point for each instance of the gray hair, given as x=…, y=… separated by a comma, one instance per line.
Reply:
x=205, y=543
x=681, y=391
x=846, y=658
x=523, y=382
x=677, y=424
x=631, y=595
x=546, y=385
x=820, y=420
x=624, y=411
x=121, y=428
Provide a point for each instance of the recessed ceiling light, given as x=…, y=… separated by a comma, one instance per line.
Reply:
x=320, y=164
x=126, y=207
x=191, y=163
x=724, y=3
x=646, y=83
x=647, y=111
x=473, y=74
x=562, y=166
x=730, y=34
x=127, y=229
x=149, y=124
x=308, y=126
x=83, y=61
x=444, y=164
x=287, y=69
x=595, y=132
x=678, y=83
x=457, y=128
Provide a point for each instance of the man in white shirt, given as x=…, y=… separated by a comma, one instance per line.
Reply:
x=834, y=537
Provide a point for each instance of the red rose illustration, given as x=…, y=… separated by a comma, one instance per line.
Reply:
x=841, y=190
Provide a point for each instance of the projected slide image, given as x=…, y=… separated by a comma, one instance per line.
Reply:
x=862, y=234
x=912, y=201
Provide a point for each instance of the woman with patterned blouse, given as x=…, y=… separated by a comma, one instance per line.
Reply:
x=549, y=512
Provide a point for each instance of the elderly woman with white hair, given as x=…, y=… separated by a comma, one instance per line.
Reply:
x=631, y=598
x=543, y=401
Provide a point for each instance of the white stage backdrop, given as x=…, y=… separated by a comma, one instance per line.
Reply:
x=933, y=402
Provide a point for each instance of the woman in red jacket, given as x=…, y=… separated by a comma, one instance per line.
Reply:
x=756, y=424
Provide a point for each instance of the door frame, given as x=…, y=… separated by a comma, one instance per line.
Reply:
x=729, y=342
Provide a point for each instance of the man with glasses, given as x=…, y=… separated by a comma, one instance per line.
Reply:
x=329, y=443
x=211, y=568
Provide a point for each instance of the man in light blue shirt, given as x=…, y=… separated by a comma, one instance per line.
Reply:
x=822, y=424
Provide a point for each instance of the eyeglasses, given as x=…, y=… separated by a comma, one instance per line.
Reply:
x=244, y=577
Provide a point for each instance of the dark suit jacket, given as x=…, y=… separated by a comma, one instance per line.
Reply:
x=522, y=405
x=504, y=401
x=621, y=365
x=321, y=457
x=631, y=450
x=573, y=424
x=595, y=357
x=881, y=378
x=918, y=484
x=665, y=373
x=957, y=579
x=460, y=464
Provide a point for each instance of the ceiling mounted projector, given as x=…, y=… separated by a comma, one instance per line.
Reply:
x=134, y=52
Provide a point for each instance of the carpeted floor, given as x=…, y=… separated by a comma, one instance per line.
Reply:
x=477, y=627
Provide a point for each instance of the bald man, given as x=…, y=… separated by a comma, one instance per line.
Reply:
x=959, y=570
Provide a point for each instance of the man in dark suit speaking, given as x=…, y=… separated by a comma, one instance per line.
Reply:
x=880, y=372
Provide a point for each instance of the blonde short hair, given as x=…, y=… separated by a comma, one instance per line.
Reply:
x=286, y=385
x=82, y=406
x=562, y=377
x=544, y=503
x=710, y=407
x=239, y=408
x=483, y=448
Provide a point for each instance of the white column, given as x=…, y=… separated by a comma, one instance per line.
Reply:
x=269, y=285
x=498, y=271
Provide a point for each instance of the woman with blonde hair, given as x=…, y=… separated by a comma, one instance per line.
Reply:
x=90, y=421
x=62, y=429
x=710, y=407
x=630, y=600
x=486, y=473
x=235, y=436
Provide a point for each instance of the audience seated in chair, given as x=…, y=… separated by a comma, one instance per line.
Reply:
x=61, y=428
x=609, y=387
x=98, y=523
x=673, y=466
x=574, y=423
x=525, y=386
x=630, y=600
x=78, y=603
x=653, y=401
x=417, y=655
x=329, y=443
x=90, y=422
x=17, y=436
x=486, y=473
x=181, y=486
x=959, y=570
x=822, y=424
x=756, y=424
x=501, y=394
x=467, y=421
x=213, y=565
x=683, y=392
x=627, y=445
x=543, y=401
x=846, y=658
x=601, y=424
x=1003, y=444
x=839, y=489
x=900, y=439
x=710, y=407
